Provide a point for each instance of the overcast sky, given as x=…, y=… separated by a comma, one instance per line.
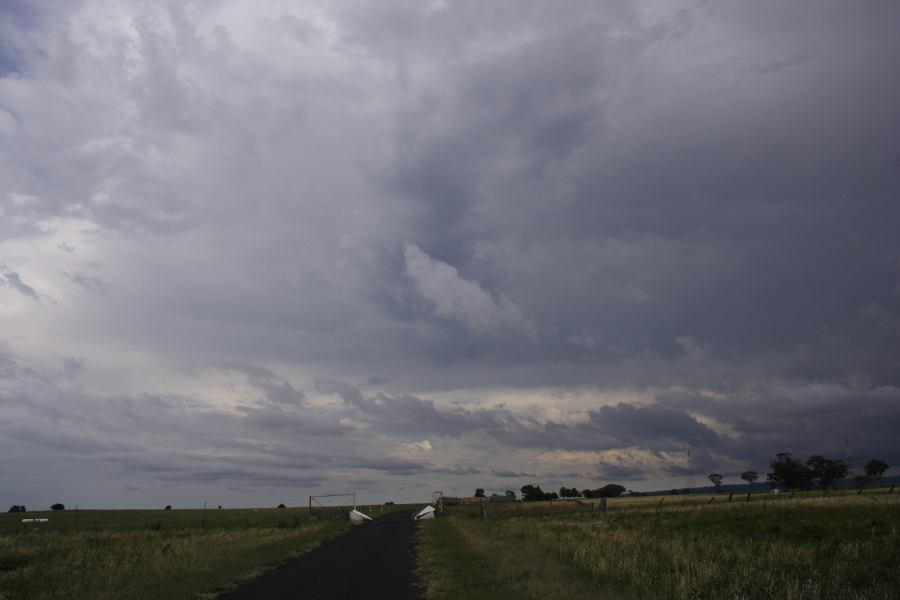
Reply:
x=252, y=251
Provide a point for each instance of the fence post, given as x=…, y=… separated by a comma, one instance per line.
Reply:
x=891, y=491
x=483, y=512
x=748, y=497
x=730, y=496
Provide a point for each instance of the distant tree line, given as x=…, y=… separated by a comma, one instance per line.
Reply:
x=534, y=493
x=817, y=472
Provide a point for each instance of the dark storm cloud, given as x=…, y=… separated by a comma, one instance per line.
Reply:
x=408, y=414
x=685, y=214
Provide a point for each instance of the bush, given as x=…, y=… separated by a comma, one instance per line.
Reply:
x=58, y=506
x=282, y=505
x=168, y=507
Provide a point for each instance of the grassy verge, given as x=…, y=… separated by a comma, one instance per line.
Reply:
x=148, y=554
x=841, y=546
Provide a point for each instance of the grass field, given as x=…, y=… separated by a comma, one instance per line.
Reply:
x=144, y=554
x=806, y=546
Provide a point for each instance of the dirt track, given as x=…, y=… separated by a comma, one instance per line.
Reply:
x=374, y=560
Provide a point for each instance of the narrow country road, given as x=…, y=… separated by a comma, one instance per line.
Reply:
x=374, y=560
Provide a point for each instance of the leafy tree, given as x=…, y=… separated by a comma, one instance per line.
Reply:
x=826, y=471
x=168, y=507
x=749, y=476
x=788, y=473
x=532, y=493
x=510, y=493
x=674, y=492
x=15, y=508
x=58, y=506
x=479, y=493
x=860, y=481
x=875, y=468
x=610, y=490
x=716, y=479
x=565, y=492
x=281, y=505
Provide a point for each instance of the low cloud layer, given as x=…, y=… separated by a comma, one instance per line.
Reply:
x=250, y=251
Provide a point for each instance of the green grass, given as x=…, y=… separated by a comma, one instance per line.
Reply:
x=149, y=554
x=809, y=546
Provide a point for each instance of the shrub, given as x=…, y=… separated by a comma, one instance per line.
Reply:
x=58, y=506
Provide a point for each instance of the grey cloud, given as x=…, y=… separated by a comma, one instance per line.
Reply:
x=409, y=414
x=457, y=470
x=278, y=391
x=513, y=474
x=465, y=199
x=11, y=279
x=73, y=366
x=90, y=283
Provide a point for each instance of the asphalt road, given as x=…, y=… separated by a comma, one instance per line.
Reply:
x=374, y=560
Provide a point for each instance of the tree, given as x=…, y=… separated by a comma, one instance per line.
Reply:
x=281, y=505
x=860, y=481
x=510, y=493
x=15, y=508
x=168, y=507
x=749, y=476
x=826, y=471
x=610, y=490
x=479, y=493
x=58, y=506
x=565, y=492
x=532, y=493
x=716, y=479
x=875, y=468
x=788, y=473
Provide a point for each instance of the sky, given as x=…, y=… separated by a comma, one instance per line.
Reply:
x=252, y=251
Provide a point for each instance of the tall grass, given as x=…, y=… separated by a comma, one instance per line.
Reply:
x=843, y=546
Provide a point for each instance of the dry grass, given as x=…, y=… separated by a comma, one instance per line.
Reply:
x=180, y=563
x=841, y=546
